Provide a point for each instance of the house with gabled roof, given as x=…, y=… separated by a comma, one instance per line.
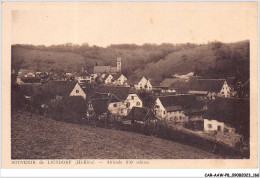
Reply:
x=59, y=89
x=83, y=77
x=119, y=79
x=228, y=115
x=175, y=86
x=126, y=95
x=178, y=108
x=141, y=115
x=102, y=104
x=210, y=88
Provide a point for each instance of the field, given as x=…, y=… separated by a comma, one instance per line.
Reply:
x=37, y=137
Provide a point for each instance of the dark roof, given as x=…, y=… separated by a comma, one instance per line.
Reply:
x=119, y=92
x=82, y=74
x=232, y=111
x=59, y=88
x=100, y=105
x=111, y=97
x=231, y=80
x=116, y=76
x=141, y=114
x=154, y=82
x=167, y=82
x=184, y=101
x=102, y=69
x=173, y=108
x=133, y=79
x=30, y=80
x=181, y=87
x=212, y=85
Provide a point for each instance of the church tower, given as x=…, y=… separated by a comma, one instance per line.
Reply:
x=119, y=64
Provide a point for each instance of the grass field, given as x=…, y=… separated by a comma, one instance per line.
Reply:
x=37, y=137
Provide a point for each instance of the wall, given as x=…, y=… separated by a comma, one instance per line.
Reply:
x=80, y=93
x=133, y=102
x=120, y=108
x=225, y=91
x=214, y=125
x=177, y=116
x=109, y=79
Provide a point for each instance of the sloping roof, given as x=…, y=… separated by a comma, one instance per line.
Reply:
x=180, y=86
x=102, y=69
x=141, y=114
x=184, y=101
x=173, y=108
x=133, y=79
x=231, y=80
x=111, y=97
x=82, y=73
x=116, y=76
x=212, y=85
x=100, y=105
x=167, y=82
x=59, y=88
x=22, y=72
x=232, y=111
x=154, y=82
x=119, y=92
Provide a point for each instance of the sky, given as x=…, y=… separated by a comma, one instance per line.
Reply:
x=105, y=23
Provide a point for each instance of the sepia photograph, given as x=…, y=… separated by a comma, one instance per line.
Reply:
x=136, y=81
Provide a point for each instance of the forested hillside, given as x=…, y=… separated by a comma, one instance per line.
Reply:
x=158, y=61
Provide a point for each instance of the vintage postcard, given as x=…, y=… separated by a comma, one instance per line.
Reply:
x=129, y=85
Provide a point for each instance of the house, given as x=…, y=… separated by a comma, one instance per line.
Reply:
x=172, y=85
x=24, y=73
x=133, y=80
x=141, y=115
x=59, y=89
x=178, y=108
x=83, y=77
x=228, y=115
x=98, y=108
x=210, y=88
x=108, y=79
x=104, y=104
x=109, y=69
x=144, y=84
x=119, y=79
x=128, y=98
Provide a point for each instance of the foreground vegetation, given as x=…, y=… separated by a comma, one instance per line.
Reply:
x=37, y=137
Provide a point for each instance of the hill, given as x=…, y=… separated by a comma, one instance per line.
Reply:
x=49, y=139
x=215, y=59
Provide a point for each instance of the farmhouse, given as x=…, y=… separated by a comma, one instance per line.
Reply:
x=228, y=115
x=108, y=79
x=109, y=69
x=83, y=77
x=127, y=97
x=175, y=85
x=178, y=108
x=100, y=104
x=119, y=79
x=210, y=88
x=59, y=89
x=141, y=115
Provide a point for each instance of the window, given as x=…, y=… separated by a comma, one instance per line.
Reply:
x=163, y=112
x=219, y=128
x=132, y=97
x=115, y=105
x=137, y=103
x=180, y=117
x=77, y=91
x=209, y=126
x=222, y=92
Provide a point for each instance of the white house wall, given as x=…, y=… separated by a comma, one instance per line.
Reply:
x=225, y=90
x=77, y=91
x=212, y=125
x=133, y=102
x=119, y=109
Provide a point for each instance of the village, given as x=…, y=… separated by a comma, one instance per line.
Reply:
x=211, y=109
